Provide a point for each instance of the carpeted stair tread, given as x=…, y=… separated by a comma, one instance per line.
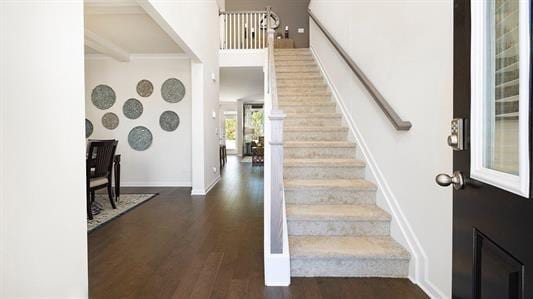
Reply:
x=314, y=115
x=301, y=57
x=306, y=75
x=297, y=69
x=353, y=212
x=318, y=184
x=315, y=129
x=316, y=144
x=297, y=104
x=323, y=163
x=362, y=247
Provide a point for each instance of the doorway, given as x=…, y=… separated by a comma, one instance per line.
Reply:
x=253, y=128
x=230, y=131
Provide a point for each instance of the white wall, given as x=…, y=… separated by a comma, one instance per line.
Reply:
x=43, y=228
x=168, y=160
x=405, y=48
x=195, y=27
x=243, y=83
x=242, y=57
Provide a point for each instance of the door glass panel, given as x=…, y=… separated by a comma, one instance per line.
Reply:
x=501, y=123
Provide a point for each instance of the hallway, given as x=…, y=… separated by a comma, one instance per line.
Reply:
x=178, y=246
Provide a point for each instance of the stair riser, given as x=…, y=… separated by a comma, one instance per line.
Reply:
x=301, y=83
x=338, y=228
x=294, y=58
x=313, y=122
x=296, y=69
x=304, y=99
x=301, y=103
x=315, y=136
x=314, y=75
x=323, y=172
x=295, y=51
x=297, y=91
x=283, y=63
x=319, y=152
x=329, y=196
x=349, y=267
x=306, y=108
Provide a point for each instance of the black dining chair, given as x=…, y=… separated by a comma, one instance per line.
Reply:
x=99, y=167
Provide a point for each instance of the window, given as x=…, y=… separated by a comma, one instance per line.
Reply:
x=230, y=128
x=500, y=94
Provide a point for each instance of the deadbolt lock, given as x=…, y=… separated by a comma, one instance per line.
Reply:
x=456, y=138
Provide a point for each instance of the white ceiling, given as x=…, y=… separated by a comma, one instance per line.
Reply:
x=124, y=24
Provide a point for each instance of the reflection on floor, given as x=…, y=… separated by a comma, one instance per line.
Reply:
x=178, y=246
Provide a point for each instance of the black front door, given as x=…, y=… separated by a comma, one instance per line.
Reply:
x=492, y=212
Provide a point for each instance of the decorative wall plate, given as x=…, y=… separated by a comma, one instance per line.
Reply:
x=173, y=90
x=140, y=138
x=145, y=88
x=132, y=108
x=169, y=121
x=103, y=97
x=110, y=121
x=88, y=128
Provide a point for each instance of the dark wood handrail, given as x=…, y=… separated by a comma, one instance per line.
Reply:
x=396, y=120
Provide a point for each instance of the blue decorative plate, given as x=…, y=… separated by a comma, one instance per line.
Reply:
x=132, y=109
x=88, y=128
x=140, y=138
x=110, y=121
x=169, y=121
x=173, y=90
x=145, y=88
x=103, y=97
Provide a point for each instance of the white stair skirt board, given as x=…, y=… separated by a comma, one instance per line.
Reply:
x=335, y=227
x=418, y=268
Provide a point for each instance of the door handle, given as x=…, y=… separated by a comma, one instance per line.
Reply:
x=457, y=180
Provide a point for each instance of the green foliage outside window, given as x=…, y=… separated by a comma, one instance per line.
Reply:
x=257, y=123
x=231, y=126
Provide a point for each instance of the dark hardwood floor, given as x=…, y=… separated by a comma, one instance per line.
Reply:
x=178, y=246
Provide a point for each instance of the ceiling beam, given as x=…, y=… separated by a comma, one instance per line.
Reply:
x=105, y=46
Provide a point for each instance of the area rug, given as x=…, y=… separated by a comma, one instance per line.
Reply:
x=247, y=159
x=125, y=203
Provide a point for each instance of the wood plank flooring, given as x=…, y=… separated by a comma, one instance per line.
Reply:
x=179, y=246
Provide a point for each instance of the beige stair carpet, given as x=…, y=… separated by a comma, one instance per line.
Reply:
x=335, y=227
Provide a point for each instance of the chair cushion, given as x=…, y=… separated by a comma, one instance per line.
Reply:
x=94, y=182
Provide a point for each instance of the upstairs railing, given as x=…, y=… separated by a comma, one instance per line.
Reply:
x=245, y=29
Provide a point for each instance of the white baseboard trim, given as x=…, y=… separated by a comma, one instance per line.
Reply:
x=206, y=190
x=156, y=184
x=418, y=255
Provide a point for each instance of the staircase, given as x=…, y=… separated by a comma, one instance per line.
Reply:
x=335, y=227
